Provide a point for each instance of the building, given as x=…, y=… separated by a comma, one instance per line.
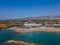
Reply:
x=28, y=24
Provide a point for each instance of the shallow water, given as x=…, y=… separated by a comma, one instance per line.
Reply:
x=45, y=38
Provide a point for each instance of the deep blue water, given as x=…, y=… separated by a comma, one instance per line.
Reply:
x=45, y=38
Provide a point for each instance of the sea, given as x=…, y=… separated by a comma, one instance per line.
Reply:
x=39, y=38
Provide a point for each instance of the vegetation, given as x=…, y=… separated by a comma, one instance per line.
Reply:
x=18, y=23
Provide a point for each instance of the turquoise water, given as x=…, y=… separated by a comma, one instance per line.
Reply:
x=34, y=37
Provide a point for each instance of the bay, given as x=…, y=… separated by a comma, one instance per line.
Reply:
x=46, y=38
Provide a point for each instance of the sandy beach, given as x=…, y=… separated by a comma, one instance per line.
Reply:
x=45, y=29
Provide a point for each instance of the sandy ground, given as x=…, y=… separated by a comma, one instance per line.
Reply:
x=24, y=30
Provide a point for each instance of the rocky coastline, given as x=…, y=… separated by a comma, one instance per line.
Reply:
x=37, y=29
x=15, y=42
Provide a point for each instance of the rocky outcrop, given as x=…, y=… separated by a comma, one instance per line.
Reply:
x=14, y=42
x=25, y=30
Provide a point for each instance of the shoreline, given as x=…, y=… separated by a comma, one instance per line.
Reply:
x=37, y=29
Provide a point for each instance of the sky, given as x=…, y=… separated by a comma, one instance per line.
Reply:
x=15, y=9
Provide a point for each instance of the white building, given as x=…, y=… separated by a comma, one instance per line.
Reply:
x=26, y=24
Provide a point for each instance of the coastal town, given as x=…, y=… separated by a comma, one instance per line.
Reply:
x=48, y=24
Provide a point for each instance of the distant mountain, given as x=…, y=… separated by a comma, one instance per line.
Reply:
x=42, y=18
x=38, y=18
